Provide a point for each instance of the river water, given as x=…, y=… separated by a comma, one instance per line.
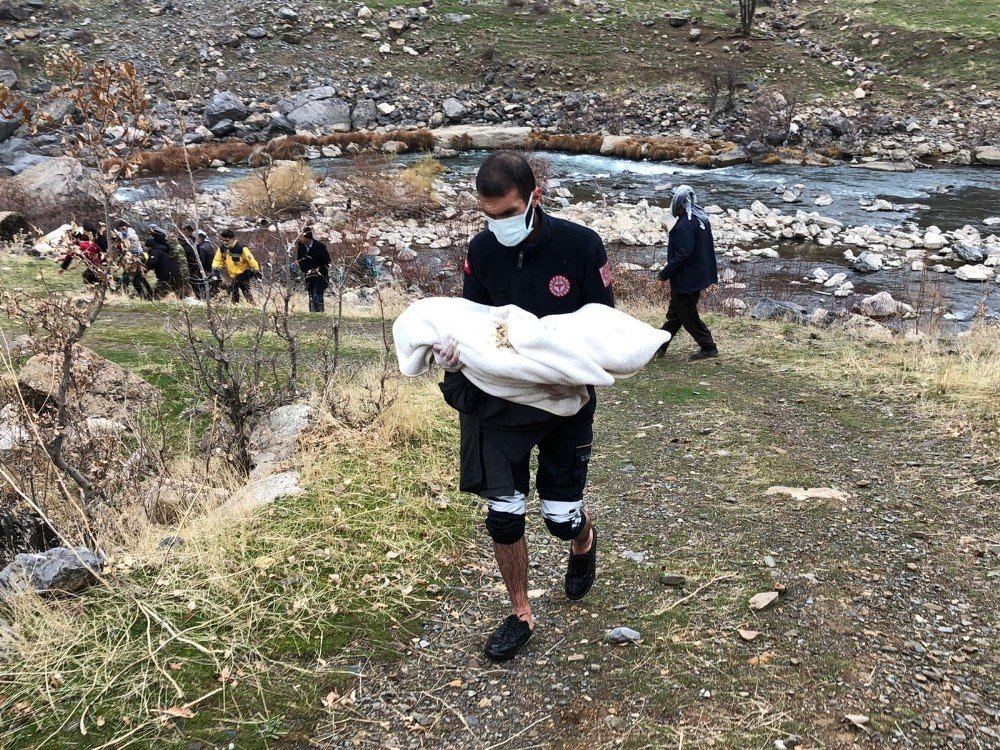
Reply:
x=946, y=197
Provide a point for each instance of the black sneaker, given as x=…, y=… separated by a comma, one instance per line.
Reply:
x=704, y=354
x=582, y=570
x=508, y=638
x=662, y=351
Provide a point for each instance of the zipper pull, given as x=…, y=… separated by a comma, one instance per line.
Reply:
x=520, y=258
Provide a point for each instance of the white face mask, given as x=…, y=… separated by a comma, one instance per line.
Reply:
x=512, y=231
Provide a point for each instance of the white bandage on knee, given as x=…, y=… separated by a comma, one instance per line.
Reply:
x=562, y=511
x=509, y=504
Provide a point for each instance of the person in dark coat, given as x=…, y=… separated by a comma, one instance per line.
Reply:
x=164, y=266
x=199, y=252
x=690, y=268
x=314, y=263
x=546, y=266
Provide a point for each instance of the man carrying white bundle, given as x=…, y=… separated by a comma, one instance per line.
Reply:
x=546, y=266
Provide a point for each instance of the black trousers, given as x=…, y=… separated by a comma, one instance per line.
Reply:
x=315, y=286
x=242, y=283
x=683, y=313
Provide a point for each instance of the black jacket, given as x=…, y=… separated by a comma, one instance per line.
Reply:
x=563, y=270
x=313, y=259
x=162, y=263
x=691, y=264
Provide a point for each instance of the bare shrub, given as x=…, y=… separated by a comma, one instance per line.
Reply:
x=770, y=118
x=277, y=192
x=721, y=82
x=381, y=192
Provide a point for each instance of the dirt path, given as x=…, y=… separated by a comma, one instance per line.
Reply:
x=889, y=610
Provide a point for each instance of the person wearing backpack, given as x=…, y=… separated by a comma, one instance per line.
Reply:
x=690, y=269
x=239, y=263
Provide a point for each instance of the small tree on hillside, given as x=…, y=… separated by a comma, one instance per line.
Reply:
x=748, y=9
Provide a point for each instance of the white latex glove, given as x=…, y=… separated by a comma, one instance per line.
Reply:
x=446, y=355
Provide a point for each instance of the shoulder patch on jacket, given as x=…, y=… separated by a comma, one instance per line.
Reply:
x=467, y=267
x=606, y=274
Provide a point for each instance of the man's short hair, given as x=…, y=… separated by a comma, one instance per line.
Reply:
x=308, y=232
x=503, y=172
x=229, y=234
x=122, y=224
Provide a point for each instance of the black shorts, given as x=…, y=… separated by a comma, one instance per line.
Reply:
x=563, y=457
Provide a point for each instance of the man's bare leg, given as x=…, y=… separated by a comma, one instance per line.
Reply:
x=583, y=540
x=513, y=562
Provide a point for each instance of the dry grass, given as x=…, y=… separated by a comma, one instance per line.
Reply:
x=279, y=191
x=222, y=624
x=172, y=159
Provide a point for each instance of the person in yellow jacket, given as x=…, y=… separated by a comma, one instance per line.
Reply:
x=239, y=263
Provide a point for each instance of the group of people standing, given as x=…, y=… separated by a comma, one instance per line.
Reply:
x=187, y=265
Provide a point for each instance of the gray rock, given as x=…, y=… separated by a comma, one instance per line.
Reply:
x=257, y=32
x=839, y=125
x=694, y=35
x=57, y=571
x=8, y=128
x=675, y=580
x=623, y=635
x=225, y=106
x=454, y=110
x=456, y=17
x=770, y=309
x=868, y=262
x=57, y=179
x=733, y=156
x=364, y=116
x=8, y=78
x=988, y=155
x=288, y=14
x=968, y=253
x=223, y=128
x=58, y=110
x=887, y=166
x=324, y=116
x=319, y=93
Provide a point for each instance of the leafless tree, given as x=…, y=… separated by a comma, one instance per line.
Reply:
x=748, y=9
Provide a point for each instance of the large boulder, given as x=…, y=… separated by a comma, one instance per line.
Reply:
x=57, y=180
x=60, y=570
x=732, y=157
x=988, y=155
x=770, y=309
x=12, y=224
x=225, y=106
x=887, y=166
x=974, y=273
x=99, y=388
x=324, y=116
x=301, y=98
x=968, y=253
x=489, y=137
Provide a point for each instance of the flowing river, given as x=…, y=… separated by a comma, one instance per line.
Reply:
x=946, y=197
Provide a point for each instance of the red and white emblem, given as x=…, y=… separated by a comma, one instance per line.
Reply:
x=559, y=286
x=606, y=274
x=468, y=266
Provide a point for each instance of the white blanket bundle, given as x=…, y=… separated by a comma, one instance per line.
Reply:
x=510, y=353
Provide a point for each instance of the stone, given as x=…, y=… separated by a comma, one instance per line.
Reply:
x=865, y=328
x=694, y=35
x=988, y=155
x=769, y=309
x=169, y=500
x=364, y=116
x=887, y=166
x=454, y=110
x=623, y=635
x=974, y=273
x=100, y=387
x=868, y=262
x=257, y=32
x=731, y=157
x=934, y=241
x=674, y=580
x=8, y=128
x=969, y=253
x=394, y=147
x=58, y=111
x=364, y=12
x=882, y=305
x=272, y=442
x=322, y=116
x=386, y=108
x=838, y=125
x=823, y=200
x=678, y=21
x=60, y=570
x=790, y=197
x=487, y=137
x=763, y=600
x=55, y=180
x=225, y=106
x=259, y=493
x=23, y=531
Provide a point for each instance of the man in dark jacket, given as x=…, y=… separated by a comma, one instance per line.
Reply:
x=200, y=253
x=314, y=263
x=161, y=261
x=546, y=266
x=690, y=268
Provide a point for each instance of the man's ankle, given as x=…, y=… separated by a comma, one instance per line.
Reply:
x=586, y=547
x=526, y=617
